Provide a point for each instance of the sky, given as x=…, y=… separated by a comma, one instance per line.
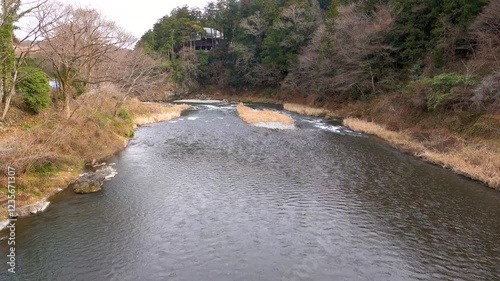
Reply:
x=136, y=17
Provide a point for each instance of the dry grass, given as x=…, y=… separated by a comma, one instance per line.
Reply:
x=148, y=113
x=306, y=110
x=252, y=116
x=49, y=150
x=395, y=138
x=479, y=162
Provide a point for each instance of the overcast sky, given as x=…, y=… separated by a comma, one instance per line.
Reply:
x=135, y=16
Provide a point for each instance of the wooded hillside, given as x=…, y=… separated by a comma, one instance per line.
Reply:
x=442, y=55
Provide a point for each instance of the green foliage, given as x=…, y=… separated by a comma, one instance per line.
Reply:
x=172, y=32
x=203, y=63
x=7, y=55
x=79, y=87
x=441, y=88
x=416, y=71
x=421, y=25
x=104, y=120
x=124, y=114
x=290, y=31
x=4, y=190
x=350, y=48
x=44, y=169
x=333, y=10
x=324, y=4
x=34, y=87
x=445, y=82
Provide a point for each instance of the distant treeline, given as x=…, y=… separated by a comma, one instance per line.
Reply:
x=446, y=53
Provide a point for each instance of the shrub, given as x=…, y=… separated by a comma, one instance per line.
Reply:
x=124, y=114
x=34, y=87
x=441, y=90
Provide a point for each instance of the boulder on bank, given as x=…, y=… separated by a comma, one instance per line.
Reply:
x=32, y=209
x=92, y=182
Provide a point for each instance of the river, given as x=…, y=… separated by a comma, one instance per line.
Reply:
x=208, y=197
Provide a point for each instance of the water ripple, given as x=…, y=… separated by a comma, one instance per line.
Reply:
x=211, y=198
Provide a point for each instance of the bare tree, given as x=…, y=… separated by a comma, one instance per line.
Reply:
x=79, y=44
x=298, y=23
x=486, y=29
x=254, y=25
x=336, y=59
x=135, y=73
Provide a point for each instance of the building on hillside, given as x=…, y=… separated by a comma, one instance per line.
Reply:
x=209, y=40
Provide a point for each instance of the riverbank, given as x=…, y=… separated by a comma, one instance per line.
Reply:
x=471, y=149
x=467, y=143
x=49, y=151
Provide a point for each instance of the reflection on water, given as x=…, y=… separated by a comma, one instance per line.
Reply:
x=209, y=197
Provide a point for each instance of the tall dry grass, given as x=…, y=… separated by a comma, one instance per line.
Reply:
x=307, y=110
x=252, y=116
x=147, y=113
x=480, y=162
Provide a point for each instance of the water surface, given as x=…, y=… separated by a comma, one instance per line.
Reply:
x=208, y=197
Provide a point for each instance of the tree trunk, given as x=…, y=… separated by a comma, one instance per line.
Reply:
x=67, y=98
x=8, y=99
x=1, y=92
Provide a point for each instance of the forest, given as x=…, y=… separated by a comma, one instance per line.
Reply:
x=442, y=55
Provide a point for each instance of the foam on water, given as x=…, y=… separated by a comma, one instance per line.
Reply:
x=274, y=125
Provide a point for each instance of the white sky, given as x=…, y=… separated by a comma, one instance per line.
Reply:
x=137, y=17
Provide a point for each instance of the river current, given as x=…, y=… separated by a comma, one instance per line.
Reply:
x=209, y=197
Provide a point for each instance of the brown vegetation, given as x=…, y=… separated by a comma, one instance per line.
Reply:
x=49, y=150
x=338, y=53
x=306, y=110
x=147, y=113
x=479, y=162
x=80, y=47
x=252, y=116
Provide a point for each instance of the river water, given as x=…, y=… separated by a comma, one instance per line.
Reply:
x=208, y=197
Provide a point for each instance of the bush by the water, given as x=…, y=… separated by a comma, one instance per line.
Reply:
x=34, y=87
x=442, y=90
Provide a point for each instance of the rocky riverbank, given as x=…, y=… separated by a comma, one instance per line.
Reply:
x=82, y=140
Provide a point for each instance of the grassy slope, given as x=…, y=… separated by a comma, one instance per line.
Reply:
x=49, y=151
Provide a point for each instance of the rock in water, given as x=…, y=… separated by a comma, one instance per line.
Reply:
x=92, y=182
x=32, y=209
